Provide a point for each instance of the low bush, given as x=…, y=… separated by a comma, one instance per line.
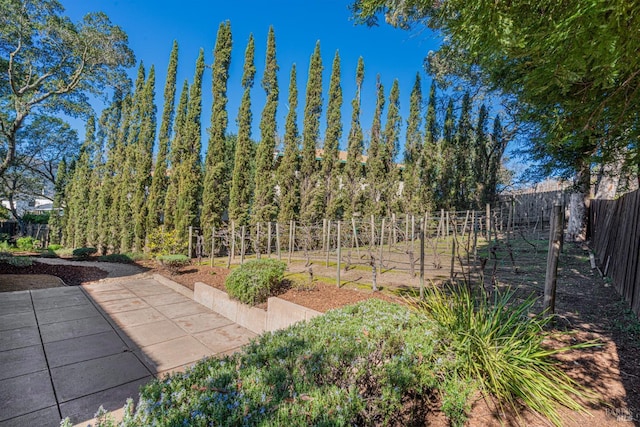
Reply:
x=16, y=261
x=83, y=254
x=118, y=258
x=253, y=281
x=54, y=247
x=161, y=242
x=174, y=263
x=27, y=243
x=48, y=253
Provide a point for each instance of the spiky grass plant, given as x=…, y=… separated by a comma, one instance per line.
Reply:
x=500, y=346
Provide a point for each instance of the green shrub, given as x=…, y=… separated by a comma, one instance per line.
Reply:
x=5, y=246
x=27, y=243
x=48, y=253
x=16, y=261
x=54, y=247
x=161, y=242
x=36, y=218
x=118, y=258
x=174, y=263
x=253, y=281
x=83, y=254
x=501, y=347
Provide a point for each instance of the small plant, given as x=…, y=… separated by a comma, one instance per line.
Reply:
x=161, y=242
x=5, y=246
x=174, y=263
x=83, y=254
x=497, y=345
x=48, y=253
x=16, y=261
x=117, y=258
x=253, y=281
x=54, y=247
x=26, y=243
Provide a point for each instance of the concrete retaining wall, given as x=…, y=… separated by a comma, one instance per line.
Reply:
x=279, y=313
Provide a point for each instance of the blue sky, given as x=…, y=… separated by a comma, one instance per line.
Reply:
x=153, y=25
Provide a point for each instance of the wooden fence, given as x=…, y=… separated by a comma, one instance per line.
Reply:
x=615, y=237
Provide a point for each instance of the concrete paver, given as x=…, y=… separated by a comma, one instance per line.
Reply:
x=65, y=351
x=21, y=361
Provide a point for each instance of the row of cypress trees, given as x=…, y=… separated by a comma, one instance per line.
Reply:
x=113, y=196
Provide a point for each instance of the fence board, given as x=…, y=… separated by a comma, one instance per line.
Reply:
x=615, y=226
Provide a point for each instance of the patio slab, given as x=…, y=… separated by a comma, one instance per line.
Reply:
x=24, y=394
x=80, y=349
x=22, y=361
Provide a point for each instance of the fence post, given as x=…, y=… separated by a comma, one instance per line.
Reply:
x=328, y=247
x=555, y=243
x=278, y=242
x=488, y=222
x=233, y=240
x=373, y=232
x=213, y=243
x=290, y=239
x=242, y=245
x=381, y=242
x=257, y=240
x=422, y=227
x=355, y=235
x=190, y=240
x=269, y=239
x=339, y=254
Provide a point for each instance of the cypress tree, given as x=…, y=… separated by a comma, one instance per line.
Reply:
x=480, y=157
x=55, y=221
x=310, y=210
x=286, y=173
x=391, y=139
x=143, y=160
x=160, y=181
x=178, y=150
x=264, y=207
x=242, y=182
x=215, y=192
x=447, y=152
x=190, y=169
x=330, y=157
x=120, y=176
x=353, y=170
x=498, y=144
x=375, y=167
x=413, y=151
x=427, y=167
x=463, y=178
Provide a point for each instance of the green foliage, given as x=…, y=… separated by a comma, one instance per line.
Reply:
x=243, y=171
x=16, y=261
x=83, y=254
x=264, y=208
x=161, y=242
x=48, y=253
x=174, y=262
x=253, y=282
x=499, y=346
x=375, y=167
x=54, y=247
x=117, y=258
x=330, y=173
x=36, y=218
x=355, y=144
x=27, y=243
x=217, y=172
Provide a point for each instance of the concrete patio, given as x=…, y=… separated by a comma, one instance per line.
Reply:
x=66, y=351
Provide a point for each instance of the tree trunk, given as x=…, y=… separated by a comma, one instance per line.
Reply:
x=579, y=205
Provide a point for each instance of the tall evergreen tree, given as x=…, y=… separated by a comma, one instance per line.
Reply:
x=427, y=167
x=391, y=140
x=481, y=148
x=215, y=193
x=375, y=167
x=446, y=180
x=498, y=144
x=310, y=210
x=411, y=175
x=109, y=124
x=78, y=193
x=264, y=205
x=144, y=160
x=177, y=153
x=288, y=182
x=55, y=221
x=353, y=168
x=463, y=156
x=242, y=182
x=333, y=201
x=159, y=181
x=190, y=170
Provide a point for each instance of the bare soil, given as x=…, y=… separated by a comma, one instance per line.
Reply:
x=586, y=304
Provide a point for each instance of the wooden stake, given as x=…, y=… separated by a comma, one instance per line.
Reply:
x=242, y=245
x=278, y=241
x=422, y=227
x=190, y=241
x=233, y=239
x=269, y=240
x=381, y=241
x=257, y=240
x=555, y=242
x=339, y=255
x=328, y=247
x=355, y=236
x=488, y=207
x=290, y=239
x=373, y=232
x=213, y=243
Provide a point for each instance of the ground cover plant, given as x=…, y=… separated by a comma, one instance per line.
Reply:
x=371, y=363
